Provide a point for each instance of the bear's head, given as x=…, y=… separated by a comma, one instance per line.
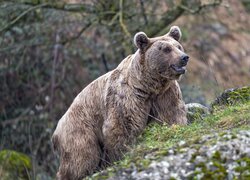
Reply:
x=162, y=56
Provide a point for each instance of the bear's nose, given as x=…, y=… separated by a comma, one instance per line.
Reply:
x=184, y=59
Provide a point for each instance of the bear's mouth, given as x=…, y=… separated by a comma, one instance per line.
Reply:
x=179, y=69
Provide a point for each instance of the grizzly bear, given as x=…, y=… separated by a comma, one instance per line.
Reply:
x=113, y=110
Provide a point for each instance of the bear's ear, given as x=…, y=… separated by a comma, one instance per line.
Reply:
x=141, y=40
x=175, y=33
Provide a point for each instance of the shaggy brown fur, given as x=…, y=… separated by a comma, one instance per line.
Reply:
x=115, y=108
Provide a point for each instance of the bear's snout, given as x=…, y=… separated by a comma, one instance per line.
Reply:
x=184, y=60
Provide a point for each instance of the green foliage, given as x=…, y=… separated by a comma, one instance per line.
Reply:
x=14, y=165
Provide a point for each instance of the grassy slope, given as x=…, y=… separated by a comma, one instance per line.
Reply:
x=158, y=138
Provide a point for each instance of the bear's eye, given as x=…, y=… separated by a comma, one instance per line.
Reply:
x=179, y=47
x=167, y=49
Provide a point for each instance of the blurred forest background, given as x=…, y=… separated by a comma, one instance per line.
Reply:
x=50, y=50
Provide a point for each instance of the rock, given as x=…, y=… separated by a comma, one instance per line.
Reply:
x=196, y=111
x=232, y=162
x=197, y=108
x=232, y=96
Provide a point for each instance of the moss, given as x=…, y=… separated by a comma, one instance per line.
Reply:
x=196, y=112
x=194, y=116
x=239, y=95
x=232, y=97
x=15, y=165
x=243, y=170
x=102, y=175
x=217, y=155
x=172, y=178
x=218, y=173
x=219, y=162
x=159, y=154
x=192, y=160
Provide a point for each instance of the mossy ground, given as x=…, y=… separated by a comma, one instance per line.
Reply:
x=158, y=138
x=14, y=165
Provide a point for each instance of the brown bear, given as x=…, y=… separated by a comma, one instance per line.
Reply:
x=113, y=110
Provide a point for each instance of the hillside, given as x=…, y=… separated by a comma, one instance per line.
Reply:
x=215, y=146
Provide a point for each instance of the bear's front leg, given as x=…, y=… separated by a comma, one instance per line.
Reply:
x=169, y=106
x=116, y=139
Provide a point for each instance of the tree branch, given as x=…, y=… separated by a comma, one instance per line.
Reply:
x=65, y=6
x=200, y=7
x=77, y=35
x=173, y=14
x=143, y=12
x=63, y=42
x=57, y=6
x=18, y=18
x=123, y=26
x=169, y=17
x=104, y=61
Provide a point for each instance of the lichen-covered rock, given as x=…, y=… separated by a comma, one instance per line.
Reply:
x=14, y=165
x=196, y=111
x=232, y=96
x=217, y=156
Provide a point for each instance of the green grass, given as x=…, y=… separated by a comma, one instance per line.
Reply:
x=158, y=138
